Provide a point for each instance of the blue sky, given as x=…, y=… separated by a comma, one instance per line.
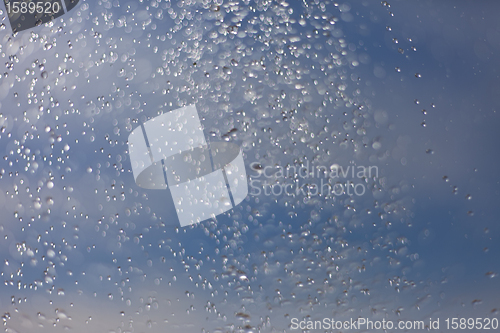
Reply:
x=422, y=242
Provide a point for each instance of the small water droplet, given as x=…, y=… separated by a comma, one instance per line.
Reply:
x=491, y=274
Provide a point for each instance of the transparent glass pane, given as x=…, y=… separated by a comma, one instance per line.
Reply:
x=252, y=166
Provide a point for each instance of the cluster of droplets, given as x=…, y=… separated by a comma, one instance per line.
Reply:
x=297, y=101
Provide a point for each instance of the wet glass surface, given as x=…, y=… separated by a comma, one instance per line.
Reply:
x=369, y=137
